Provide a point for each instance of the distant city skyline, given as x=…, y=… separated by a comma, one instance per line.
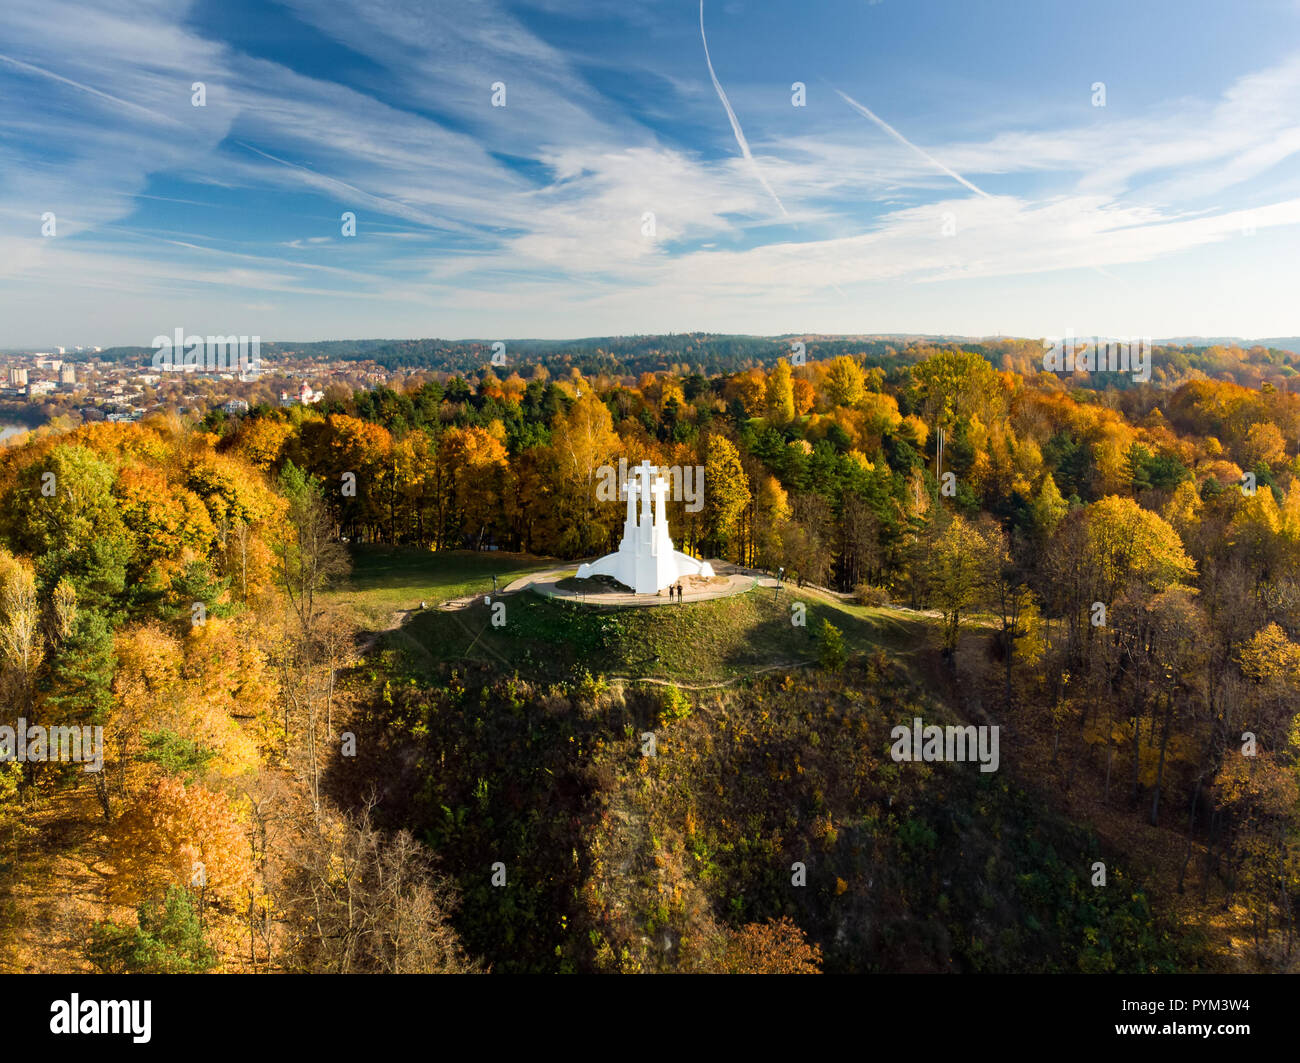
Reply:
x=947, y=170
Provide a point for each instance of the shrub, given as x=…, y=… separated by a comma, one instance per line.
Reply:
x=831, y=652
x=168, y=940
x=673, y=704
x=869, y=595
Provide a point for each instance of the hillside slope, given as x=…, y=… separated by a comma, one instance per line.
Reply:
x=518, y=746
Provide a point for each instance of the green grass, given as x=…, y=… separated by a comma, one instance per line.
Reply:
x=386, y=579
x=693, y=643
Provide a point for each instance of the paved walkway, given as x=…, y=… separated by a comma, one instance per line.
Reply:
x=731, y=579
x=694, y=588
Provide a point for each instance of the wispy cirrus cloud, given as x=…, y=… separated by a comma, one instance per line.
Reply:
x=533, y=212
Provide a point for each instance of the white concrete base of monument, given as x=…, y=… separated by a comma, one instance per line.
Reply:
x=645, y=560
x=646, y=575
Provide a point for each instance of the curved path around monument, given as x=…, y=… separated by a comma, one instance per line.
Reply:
x=738, y=581
x=694, y=589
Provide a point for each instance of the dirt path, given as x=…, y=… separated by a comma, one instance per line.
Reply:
x=712, y=686
x=474, y=640
x=366, y=638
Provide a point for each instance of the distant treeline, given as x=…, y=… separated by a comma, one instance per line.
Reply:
x=711, y=354
x=701, y=352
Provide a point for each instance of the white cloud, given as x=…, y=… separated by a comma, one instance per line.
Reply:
x=451, y=225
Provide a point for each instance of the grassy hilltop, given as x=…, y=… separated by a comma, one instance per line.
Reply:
x=526, y=742
x=697, y=643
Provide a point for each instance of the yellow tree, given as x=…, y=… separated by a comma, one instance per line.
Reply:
x=845, y=381
x=960, y=571
x=780, y=394
x=261, y=441
x=771, y=512
x=582, y=442
x=1130, y=543
x=228, y=683
x=1254, y=531
x=170, y=524
x=366, y=451
x=879, y=415
x=1264, y=445
x=189, y=836
x=1182, y=511
x=21, y=646
x=1048, y=509
x=749, y=389
x=146, y=694
x=1099, y=552
x=726, y=492
x=951, y=386
x=413, y=465
x=476, y=463
x=1271, y=661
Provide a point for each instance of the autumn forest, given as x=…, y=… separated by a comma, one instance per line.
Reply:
x=320, y=753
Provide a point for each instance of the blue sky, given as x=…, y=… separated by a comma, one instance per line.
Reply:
x=948, y=174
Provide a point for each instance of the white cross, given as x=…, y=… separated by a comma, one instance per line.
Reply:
x=647, y=471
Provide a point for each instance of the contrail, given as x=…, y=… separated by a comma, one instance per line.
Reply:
x=395, y=207
x=735, y=125
x=86, y=88
x=903, y=140
x=925, y=154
